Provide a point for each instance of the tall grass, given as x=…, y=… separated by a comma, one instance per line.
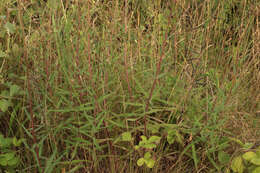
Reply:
x=92, y=70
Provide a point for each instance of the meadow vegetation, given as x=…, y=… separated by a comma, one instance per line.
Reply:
x=129, y=86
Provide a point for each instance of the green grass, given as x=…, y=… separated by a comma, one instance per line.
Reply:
x=76, y=75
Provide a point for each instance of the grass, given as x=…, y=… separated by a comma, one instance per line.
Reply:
x=82, y=81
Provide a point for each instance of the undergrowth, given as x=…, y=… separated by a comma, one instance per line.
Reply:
x=129, y=86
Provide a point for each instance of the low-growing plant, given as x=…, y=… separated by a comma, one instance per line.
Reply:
x=9, y=160
x=247, y=162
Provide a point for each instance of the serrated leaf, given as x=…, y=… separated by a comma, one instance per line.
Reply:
x=140, y=162
x=256, y=161
x=150, y=163
x=126, y=136
x=249, y=155
x=154, y=139
x=4, y=104
x=237, y=164
x=14, y=89
x=147, y=155
x=223, y=157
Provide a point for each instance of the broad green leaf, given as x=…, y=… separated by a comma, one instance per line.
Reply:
x=150, y=163
x=126, y=136
x=5, y=142
x=237, y=164
x=256, y=170
x=140, y=162
x=144, y=138
x=255, y=161
x=149, y=146
x=16, y=142
x=13, y=162
x=3, y=161
x=147, y=155
x=154, y=139
x=223, y=157
x=137, y=147
x=249, y=155
x=9, y=156
x=4, y=104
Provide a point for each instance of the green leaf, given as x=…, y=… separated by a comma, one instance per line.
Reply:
x=149, y=146
x=256, y=161
x=4, y=104
x=126, y=136
x=249, y=155
x=237, y=164
x=147, y=155
x=248, y=145
x=171, y=136
x=3, y=161
x=2, y=54
x=5, y=142
x=10, y=27
x=179, y=138
x=140, y=162
x=150, y=163
x=14, y=89
x=256, y=170
x=10, y=155
x=154, y=139
x=13, y=162
x=144, y=138
x=223, y=157
x=258, y=151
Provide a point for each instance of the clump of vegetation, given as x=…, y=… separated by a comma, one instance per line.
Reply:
x=129, y=86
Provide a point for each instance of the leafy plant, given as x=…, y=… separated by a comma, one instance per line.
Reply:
x=8, y=157
x=247, y=162
x=6, y=95
x=147, y=144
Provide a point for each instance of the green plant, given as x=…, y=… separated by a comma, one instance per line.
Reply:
x=7, y=95
x=247, y=162
x=147, y=144
x=8, y=157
